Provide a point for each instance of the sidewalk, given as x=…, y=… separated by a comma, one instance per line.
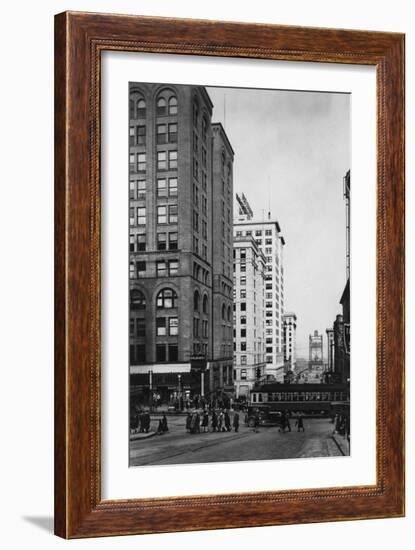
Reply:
x=342, y=444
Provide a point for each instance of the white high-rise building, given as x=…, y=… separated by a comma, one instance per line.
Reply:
x=268, y=237
x=249, y=318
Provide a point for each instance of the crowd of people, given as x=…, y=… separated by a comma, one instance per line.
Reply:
x=214, y=421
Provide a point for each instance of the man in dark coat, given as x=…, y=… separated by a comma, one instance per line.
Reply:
x=214, y=421
x=236, y=421
x=227, y=421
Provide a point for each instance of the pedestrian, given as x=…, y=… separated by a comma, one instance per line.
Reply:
x=145, y=422
x=287, y=421
x=214, y=421
x=300, y=424
x=188, y=422
x=160, y=427
x=227, y=421
x=220, y=422
x=164, y=424
x=205, y=421
x=236, y=422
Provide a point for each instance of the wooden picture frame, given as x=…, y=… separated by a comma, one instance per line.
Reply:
x=79, y=40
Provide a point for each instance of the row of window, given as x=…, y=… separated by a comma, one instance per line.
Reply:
x=165, y=241
x=165, y=160
x=165, y=214
x=166, y=299
x=165, y=187
x=166, y=133
x=164, y=105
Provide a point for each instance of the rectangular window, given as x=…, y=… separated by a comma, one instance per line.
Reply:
x=162, y=187
x=161, y=134
x=173, y=267
x=132, y=243
x=161, y=214
x=243, y=293
x=243, y=346
x=243, y=332
x=141, y=216
x=132, y=135
x=161, y=160
x=141, y=241
x=172, y=160
x=141, y=135
x=242, y=267
x=172, y=241
x=161, y=326
x=195, y=169
x=173, y=213
x=132, y=189
x=243, y=306
x=132, y=220
x=243, y=371
x=173, y=187
x=140, y=327
x=161, y=353
x=243, y=362
x=161, y=268
x=195, y=245
x=141, y=269
x=173, y=326
x=173, y=352
x=141, y=189
x=132, y=270
x=161, y=241
x=140, y=353
x=173, y=133
x=243, y=320
x=242, y=281
x=132, y=162
x=141, y=162
x=195, y=221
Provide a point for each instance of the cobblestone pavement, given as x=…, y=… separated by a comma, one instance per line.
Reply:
x=179, y=447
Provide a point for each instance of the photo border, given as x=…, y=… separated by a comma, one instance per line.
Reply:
x=79, y=40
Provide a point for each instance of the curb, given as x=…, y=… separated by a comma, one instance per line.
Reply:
x=342, y=444
x=134, y=437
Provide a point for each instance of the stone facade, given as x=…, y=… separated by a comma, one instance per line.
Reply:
x=173, y=263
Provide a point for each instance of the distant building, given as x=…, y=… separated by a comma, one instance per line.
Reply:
x=330, y=349
x=289, y=339
x=270, y=242
x=249, y=315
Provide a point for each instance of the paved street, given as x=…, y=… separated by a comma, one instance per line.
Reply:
x=179, y=447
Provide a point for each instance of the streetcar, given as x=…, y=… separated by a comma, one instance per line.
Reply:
x=307, y=399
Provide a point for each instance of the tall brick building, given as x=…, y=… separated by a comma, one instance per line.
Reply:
x=179, y=263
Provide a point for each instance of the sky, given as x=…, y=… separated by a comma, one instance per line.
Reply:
x=292, y=150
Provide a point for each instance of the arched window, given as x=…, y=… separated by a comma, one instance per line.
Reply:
x=132, y=108
x=173, y=105
x=223, y=312
x=196, y=301
x=167, y=299
x=229, y=313
x=141, y=108
x=137, y=299
x=161, y=106
x=205, y=303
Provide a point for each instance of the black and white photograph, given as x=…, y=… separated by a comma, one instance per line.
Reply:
x=239, y=274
